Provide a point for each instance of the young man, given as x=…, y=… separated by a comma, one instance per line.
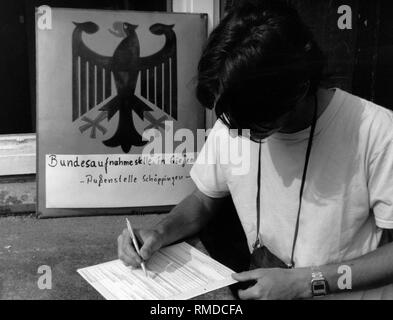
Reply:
x=319, y=192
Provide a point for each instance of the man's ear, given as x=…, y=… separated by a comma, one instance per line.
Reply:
x=306, y=88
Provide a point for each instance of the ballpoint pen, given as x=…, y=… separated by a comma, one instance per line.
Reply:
x=135, y=242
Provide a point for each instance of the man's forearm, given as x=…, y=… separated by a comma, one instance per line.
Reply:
x=185, y=220
x=372, y=270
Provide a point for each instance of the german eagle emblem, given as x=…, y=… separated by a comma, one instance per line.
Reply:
x=110, y=82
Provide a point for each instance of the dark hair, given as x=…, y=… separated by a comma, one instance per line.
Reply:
x=258, y=60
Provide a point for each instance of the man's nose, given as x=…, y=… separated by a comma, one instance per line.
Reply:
x=266, y=133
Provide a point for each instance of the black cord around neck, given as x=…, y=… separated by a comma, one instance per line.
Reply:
x=304, y=176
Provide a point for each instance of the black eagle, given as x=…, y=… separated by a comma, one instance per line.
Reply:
x=92, y=80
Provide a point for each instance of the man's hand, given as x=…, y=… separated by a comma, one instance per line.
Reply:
x=185, y=220
x=151, y=242
x=276, y=284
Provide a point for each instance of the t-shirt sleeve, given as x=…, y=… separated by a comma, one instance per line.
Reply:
x=208, y=172
x=381, y=186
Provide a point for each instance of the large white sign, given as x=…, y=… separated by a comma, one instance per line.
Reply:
x=105, y=79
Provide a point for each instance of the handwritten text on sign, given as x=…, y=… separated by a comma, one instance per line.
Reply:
x=114, y=181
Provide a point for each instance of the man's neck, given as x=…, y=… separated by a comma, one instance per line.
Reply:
x=304, y=112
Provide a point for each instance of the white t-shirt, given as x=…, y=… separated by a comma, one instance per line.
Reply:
x=348, y=195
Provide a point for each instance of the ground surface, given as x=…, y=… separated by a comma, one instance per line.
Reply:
x=66, y=244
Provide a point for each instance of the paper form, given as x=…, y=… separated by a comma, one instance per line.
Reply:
x=176, y=272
